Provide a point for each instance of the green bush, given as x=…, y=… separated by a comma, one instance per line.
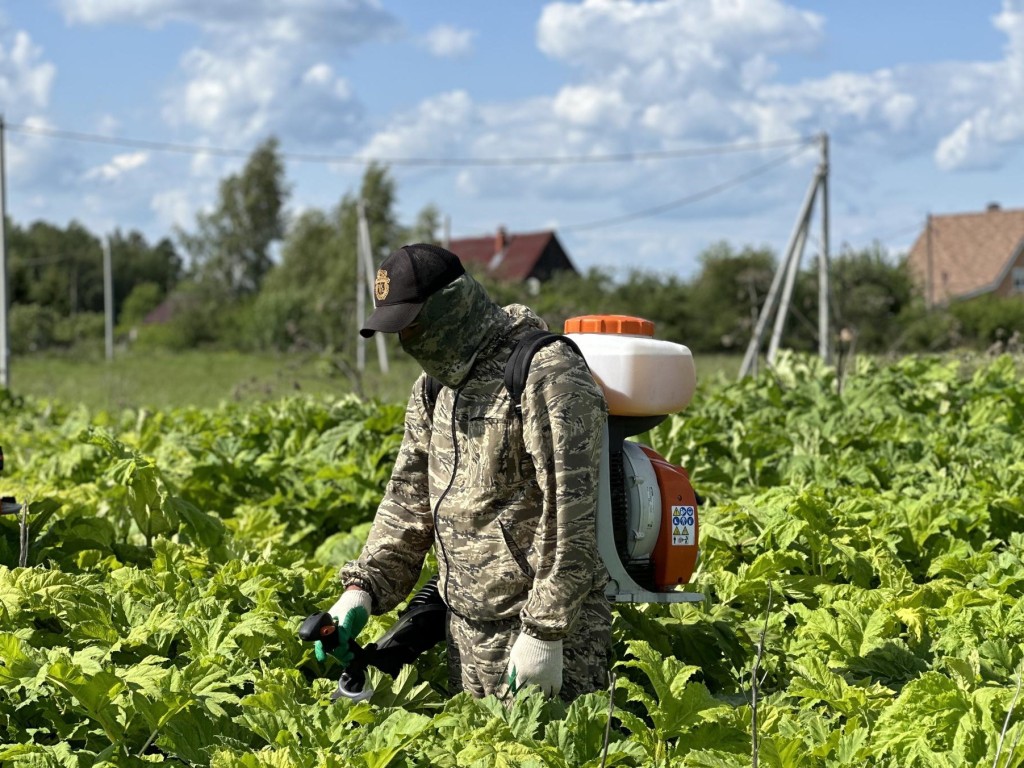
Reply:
x=85, y=326
x=988, y=319
x=144, y=298
x=31, y=328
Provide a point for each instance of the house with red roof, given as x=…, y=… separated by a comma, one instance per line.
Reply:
x=513, y=256
x=963, y=255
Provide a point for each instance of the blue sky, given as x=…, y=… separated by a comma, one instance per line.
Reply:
x=921, y=100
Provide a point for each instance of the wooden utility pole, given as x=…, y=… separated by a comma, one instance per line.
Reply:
x=786, y=273
x=108, y=300
x=360, y=293
x=5, y=350
x=824, y=291
x=365, y=254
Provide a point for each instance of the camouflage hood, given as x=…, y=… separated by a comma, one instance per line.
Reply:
x=456, y=324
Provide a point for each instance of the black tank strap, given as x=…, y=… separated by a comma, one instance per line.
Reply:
x=516, y=369
x=518, y=366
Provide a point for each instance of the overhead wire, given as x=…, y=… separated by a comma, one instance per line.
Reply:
x=322, y=158
x=691, y=198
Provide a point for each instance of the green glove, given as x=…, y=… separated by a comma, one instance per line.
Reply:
x=350, y=615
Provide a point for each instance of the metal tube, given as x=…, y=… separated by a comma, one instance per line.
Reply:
x=787, y=293
x=824, y=311
x=5, y=350
x=769, y=303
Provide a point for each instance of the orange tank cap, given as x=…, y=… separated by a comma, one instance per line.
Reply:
x=618, y=324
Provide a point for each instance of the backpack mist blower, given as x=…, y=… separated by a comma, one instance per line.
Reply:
x=647, y=512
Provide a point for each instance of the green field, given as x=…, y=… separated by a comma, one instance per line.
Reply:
x=206, y=378
x=200, y=378
x=862, y=566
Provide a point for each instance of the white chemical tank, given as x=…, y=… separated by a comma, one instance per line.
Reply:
x=640, y=375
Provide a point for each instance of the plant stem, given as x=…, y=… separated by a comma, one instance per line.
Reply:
x=23, y=553
x=1006, y=722
x=754, y=682
x=608, y=725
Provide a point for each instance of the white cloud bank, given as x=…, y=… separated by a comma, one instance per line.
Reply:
x=118, y=166
x=448, y=42
x=258, y=67
x=671, y=73
x=25, y=77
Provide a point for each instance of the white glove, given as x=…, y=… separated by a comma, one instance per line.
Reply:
x=350, y=614
x=535, y=662
x=350, y=598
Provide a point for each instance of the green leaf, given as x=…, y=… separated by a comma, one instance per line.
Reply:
x=679, y=702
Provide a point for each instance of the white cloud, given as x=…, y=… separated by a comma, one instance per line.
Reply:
x=247, y=96
x=118, y=166
x=995, y=126
x=590, y=105
x=446, y=41
x=668, y=46
x=25, y=77
x=258, y=65
x=174, y=207
x=309, y=22
x=440, y=125
x=27, y=150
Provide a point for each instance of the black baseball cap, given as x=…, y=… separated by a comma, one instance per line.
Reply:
x=404, y=282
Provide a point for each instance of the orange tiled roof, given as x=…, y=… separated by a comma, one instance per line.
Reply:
x=515, y=262
x=969, y=252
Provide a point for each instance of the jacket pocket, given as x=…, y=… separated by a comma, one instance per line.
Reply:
x=486, y=581
x=517, y=553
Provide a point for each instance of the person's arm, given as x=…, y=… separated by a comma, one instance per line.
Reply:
x=563, y=425
x=403, y=529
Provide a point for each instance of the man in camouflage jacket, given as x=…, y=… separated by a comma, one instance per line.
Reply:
x=508, y=500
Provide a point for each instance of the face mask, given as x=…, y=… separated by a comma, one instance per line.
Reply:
x=451, y=329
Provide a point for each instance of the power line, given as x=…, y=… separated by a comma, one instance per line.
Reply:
x=691, y=198
x=620, y=157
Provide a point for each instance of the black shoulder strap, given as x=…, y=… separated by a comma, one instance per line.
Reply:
x=518, y=366
x=431, y=389
x=516, y=369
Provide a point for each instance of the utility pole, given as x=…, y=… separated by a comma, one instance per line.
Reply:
x=5, y=350
x=365, y=251
x=787, y=272
x=824, y=292
x=108, y=300
x=360, y=292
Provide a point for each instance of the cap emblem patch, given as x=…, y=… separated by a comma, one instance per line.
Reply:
x=382, y=285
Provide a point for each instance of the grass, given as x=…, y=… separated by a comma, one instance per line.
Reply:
x=200, y=378
x=204, y=378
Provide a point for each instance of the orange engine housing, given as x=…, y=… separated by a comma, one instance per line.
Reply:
x=676, y=548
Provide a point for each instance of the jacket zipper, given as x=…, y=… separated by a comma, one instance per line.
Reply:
x=437, y=506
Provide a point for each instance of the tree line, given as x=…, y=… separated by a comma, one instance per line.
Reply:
x=248, y=276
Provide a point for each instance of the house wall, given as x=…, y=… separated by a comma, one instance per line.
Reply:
x=1013, y=279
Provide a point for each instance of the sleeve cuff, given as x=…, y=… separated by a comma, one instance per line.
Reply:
x=347, y=580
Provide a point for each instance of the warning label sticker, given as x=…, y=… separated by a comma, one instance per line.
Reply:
x=683, y=526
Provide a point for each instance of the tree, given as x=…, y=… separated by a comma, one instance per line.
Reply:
x=232, y=244
x=870, y=291
x=134, y=262
x=425, y=228
x=143, y=299
x=309, y=300
x=61, y=269
x=727, y=295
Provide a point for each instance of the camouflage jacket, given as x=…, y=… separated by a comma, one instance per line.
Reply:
x=508, y=501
